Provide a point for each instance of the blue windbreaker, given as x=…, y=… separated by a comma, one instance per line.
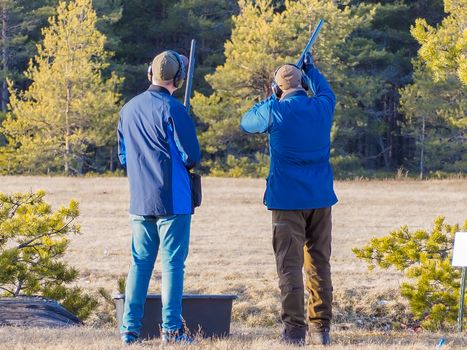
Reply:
x=157, y=143
x=298, y=127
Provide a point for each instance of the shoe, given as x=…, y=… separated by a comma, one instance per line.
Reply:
x=288, y=339
x=319, y=336
x=129, y=338
x=176, y=337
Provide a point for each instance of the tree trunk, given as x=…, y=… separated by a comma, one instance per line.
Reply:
x=67, y=128
x=422, y=148
x=111, y=166
x=18, y=288
x=384, y=152
x=4, y=88
x=385, y=148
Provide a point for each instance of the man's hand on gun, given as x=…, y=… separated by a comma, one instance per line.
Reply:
x=308, y=63
x=307, y=66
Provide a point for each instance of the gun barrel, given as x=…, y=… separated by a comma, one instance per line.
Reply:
x=189, y=81
x=310, y=43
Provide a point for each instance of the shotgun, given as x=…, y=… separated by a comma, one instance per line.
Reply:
x=275, y=88
x=310, y=43
x=195, y=179
x=189, y=80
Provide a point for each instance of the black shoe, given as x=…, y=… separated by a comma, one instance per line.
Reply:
x=288, y=339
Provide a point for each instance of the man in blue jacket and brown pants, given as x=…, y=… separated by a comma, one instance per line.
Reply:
x=300, y=194
x=157, y=145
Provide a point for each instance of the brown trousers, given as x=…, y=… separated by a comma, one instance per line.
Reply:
x=302, y=239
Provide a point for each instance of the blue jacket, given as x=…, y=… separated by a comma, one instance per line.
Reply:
x=157, y=143
x=298, y=127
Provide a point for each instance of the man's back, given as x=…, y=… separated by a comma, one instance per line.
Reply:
x=157, y=142
x=299, y=127
x=300, y=130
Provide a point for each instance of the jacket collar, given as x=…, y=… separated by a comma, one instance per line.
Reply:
x=299, y=92
x=158, y=88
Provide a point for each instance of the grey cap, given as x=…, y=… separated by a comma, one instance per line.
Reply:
x=166, y=65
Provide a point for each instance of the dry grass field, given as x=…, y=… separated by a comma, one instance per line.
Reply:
x=231, y=253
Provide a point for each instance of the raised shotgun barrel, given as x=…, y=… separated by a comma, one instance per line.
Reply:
x=189, y=79
x=310, y=43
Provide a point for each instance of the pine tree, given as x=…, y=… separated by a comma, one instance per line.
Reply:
x=109, y=12
x=433, y=284
x=384, y=49
x=20, y=25
x=20, y=21
x=33, y=238
x=69, y=110
x=444, y=49
x=435, y=118
x=435, y=104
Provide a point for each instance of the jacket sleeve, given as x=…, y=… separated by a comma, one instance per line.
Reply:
x=258, y=119
x=184, y=134
x=321, y=89
x=121, y=143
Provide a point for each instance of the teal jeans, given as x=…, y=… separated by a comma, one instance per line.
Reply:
x=169, y=235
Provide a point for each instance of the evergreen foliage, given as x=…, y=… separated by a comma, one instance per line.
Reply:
x=261, y=40
x=384, y=48
x=20, y=25
x=436, y=118
x=33, y=238
x=425, y=258
x=444, y=49
x=69, y=110
x=365, y=49
x=435, y=103
x=148, y=27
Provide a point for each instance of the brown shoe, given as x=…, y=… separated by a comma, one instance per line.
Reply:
x=319, y=336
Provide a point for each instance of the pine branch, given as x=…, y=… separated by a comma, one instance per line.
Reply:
x=7, y=290
x=50, y=233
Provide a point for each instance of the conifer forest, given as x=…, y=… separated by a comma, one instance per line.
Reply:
x=397, y=67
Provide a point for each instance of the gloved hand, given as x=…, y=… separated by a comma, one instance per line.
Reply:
x=308, y=62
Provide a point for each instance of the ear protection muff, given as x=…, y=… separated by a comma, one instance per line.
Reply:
x=180, y=75
x=275, y=87
x=150, y=72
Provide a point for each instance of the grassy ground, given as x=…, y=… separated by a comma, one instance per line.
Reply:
x=254, y=339
x=231, y=252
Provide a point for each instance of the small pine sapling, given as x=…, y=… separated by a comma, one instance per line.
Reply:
x=433, y=285
x=33, y=238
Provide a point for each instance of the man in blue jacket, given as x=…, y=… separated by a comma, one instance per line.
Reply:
x=157, y=144
x=300, y=194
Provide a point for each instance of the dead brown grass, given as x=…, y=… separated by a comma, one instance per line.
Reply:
x=257, y=339
x=231, y=252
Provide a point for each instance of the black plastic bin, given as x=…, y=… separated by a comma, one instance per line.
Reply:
x=208, y=315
